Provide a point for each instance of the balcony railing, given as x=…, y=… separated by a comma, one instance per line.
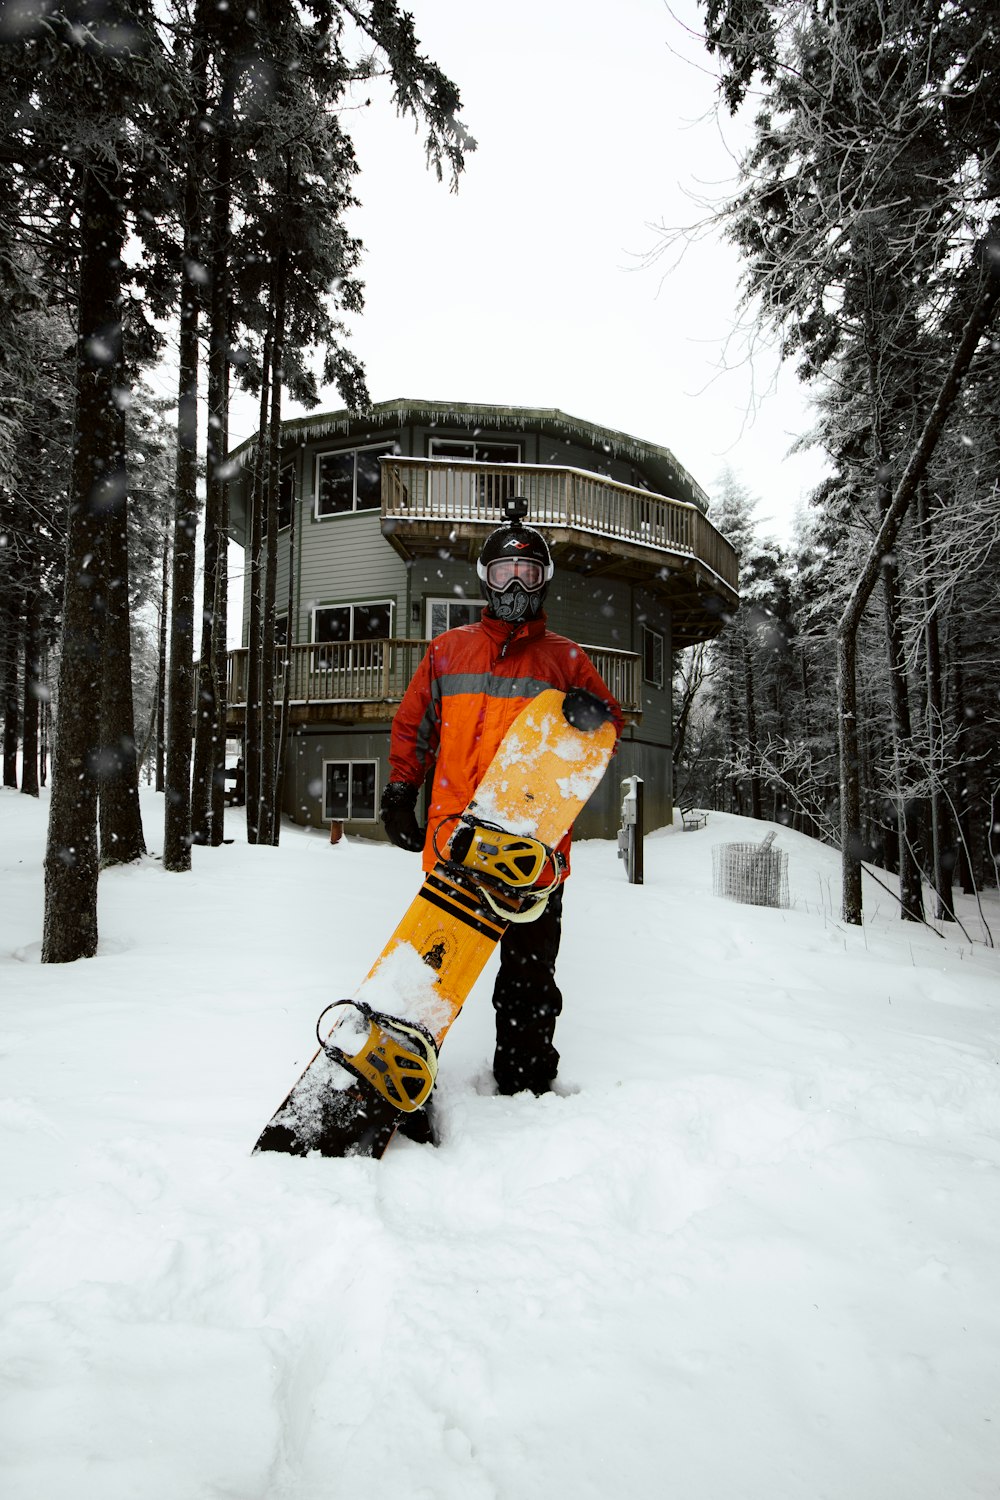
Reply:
x=338, y=672
x=436, y=491
x=346, y=672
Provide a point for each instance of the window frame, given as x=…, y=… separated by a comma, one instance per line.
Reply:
x=649, y=634
x=351, y=817
x=447, y=601
x=386, y=447
x=352, y=605
x=474, y=443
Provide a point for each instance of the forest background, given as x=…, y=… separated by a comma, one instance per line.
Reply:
x=187, y=171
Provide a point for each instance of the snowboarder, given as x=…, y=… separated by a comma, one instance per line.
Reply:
x=470, y=686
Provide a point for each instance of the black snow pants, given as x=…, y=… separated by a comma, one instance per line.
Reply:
x=527, y=1003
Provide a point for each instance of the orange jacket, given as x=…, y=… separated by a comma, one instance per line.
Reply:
x=464, y=696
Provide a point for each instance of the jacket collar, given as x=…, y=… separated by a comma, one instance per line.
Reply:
x=505, y=635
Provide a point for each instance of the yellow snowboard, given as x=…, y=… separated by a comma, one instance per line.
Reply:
x=379, y=1059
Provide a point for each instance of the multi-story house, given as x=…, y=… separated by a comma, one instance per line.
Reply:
x=390, y=511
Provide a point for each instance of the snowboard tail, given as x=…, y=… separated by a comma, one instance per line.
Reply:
x=379, y=1060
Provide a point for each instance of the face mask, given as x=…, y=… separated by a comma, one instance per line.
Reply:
x=514, y=604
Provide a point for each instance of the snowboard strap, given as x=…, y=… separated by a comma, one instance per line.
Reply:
x=513, y=864
x=397, y=1058
x=525, y=914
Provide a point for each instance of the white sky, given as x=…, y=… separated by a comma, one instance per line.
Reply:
x=526, y=287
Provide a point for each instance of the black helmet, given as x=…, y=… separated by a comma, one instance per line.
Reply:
x=515, y=566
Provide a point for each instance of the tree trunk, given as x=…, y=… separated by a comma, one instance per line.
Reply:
x=206, y=707
x=220, y=621
x=71, y=858
x=45, y=729
x=161, y=663
x=207, y=723
x=11, y=711
x=850, y=781
x=756, y=803
x=733, y=728
x=963, y=799
x=177, y=822
x=810, y=817
x=34, y=690
x=267, y=818
x=208, y=796
x=218, y=367
x=942, y=839
x=11, y=695
x=120, y=820
x=286, y=679
x=255, y=578
x=911, y=896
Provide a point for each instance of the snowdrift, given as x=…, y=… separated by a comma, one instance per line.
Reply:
x=748, y=1250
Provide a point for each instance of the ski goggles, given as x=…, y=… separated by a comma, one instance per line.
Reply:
x=505, y=571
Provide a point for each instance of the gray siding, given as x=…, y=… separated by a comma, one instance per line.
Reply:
x=346, y=559
x=308, y=750
x=596, y=611
x=339, y=559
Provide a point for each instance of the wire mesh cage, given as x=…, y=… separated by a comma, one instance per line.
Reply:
x=755, y=874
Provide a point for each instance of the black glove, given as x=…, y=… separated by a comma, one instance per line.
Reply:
x=584, y=710
x=399, y=818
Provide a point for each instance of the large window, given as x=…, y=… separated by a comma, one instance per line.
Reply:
x=349, y=480
x=474, y=451
x=350, y=791
x=350, y=622
x=445, y=614
x=653, y=645
x=353, y=622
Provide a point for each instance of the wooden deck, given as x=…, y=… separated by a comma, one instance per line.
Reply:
x=350, y=682
x=594, y=525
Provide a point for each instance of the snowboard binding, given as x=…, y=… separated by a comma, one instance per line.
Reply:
x=511, y=864
x=399, y=1059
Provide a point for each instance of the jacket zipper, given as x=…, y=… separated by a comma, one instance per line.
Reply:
x=507, y=642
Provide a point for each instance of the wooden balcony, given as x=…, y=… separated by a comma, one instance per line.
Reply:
x=594, y=525
x=351, y=682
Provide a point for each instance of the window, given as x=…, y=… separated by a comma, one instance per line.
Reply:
x=652, y=656
x=474, y=451
x=445, y=614
x=351, y=622
x=350, y=791
x=484, y=491
x=349, y=480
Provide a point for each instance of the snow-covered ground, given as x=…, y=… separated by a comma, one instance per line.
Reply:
x=750, y=1252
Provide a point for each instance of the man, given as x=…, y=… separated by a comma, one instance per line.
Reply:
x=470, y=687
